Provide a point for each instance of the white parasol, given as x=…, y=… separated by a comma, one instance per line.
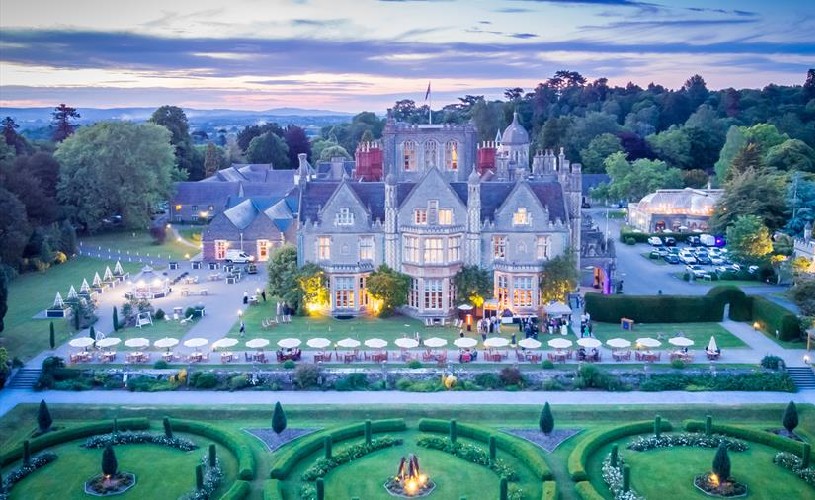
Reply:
x=648, y=342
x=138, y=342
x=559, y=343
x=588, y=342
x=196, y=342
x=81, y=342
x=465, y=307
x=465, y=342
x=224, y=343
x=257, y=343
x=318, y=343
x=406, y=343
x=435, y=342
x=165, y=342
x=496, y=342
x=108, y=342
x=376, y=343
x=711, y=346
x=349, y=343
x=289, y=343
x=530, y=343
x=680, y=341
x=619, y=343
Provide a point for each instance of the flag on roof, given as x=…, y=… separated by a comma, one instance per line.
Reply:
x=427, y=94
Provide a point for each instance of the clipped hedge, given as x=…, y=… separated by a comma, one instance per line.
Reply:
x=272, y=490
x=748, y=434
x=549, y=491
x=594, y=440
x=50, y=439
x=524, y=451
x=238, y=491
x=773, y=317
x=586, y=491
x=233, y=441
x=285, y=460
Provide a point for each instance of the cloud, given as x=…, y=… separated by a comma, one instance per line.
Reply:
x=512, y=10
x=673, y=23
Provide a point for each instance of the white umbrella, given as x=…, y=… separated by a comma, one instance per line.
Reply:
x=349, y=343
x=619, y=343
x=257, y=343
x=376, y=343
x=108, y=342
x=289, y=343
x=465, y=307
x=225, y=343
x=81, y=342
x=589, y=343
x=648, y=342
x=196, y=342
x=559, y=343
x=318, y=343
x=435, y=342
x=530, y=343
x=138, y=342
x=465, y=342
x=711, y=346
x=165, y=342
x=406, y=343
x=680, y=341
x=496, y=342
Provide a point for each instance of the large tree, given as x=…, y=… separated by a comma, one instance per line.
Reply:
x=63, y=122
x=268, y=148
x=282, y=271
x=175, y=120
x=297, y=141
x=474, y=284
x=40, y=209
x=749, y=239
x=389, y=286
x=14, y=228
x=313, y=286
x=803, y=293
x=13, y=139
x=600, y=148
x=212, y=161
x=558, y=277
x=115, y=168
x=634, y=180
x=3, y=298
x=751, y=193
x=792, y=154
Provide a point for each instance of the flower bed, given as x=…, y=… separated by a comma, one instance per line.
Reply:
x=700, y=440
x=468, y=452
x=117, y=438
x=18, y=474
x=212, y=479
x=323, y=466
x=793, y=463
x=613, y=477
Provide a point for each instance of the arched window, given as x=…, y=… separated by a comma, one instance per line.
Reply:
x=451, y=155
x=431, y=154
x=409, y=156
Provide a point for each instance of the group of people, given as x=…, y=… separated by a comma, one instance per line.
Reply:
x=555, y=325
x=283, y=312
x=489, y=325
x=466, y=355
x=586, y=326
x=594, y=355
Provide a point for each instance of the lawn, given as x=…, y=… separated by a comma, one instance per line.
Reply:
x=31, y=293
x=135, y=243
x=698, y=332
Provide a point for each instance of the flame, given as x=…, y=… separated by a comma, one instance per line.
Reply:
x=411, y=486
x=713, y=479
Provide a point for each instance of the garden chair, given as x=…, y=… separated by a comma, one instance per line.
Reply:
x=427, y=356
x=186, y=320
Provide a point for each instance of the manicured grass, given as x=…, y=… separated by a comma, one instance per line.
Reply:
x=699, y=332
x=192, y=234
x=160, y=472
x=31, y=293
x=139, y=242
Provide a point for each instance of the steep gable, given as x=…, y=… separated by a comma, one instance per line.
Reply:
x=433, y=186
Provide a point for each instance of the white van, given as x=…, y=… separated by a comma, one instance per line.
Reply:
x=238, y=257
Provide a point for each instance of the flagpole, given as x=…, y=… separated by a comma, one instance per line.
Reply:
x=430, y=109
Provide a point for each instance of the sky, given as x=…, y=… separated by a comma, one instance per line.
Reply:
x=355, y=55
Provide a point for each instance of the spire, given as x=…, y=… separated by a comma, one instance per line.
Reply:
x=474, y=178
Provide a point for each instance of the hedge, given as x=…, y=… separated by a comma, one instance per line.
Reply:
x=50, y=439
x=748, y=434
x=272, y=490
x=234, y=442
x=238, y=491
x=286, y=460
x=549, y=491
x=773, y=317
x=524, y=451
x=586, y=491
x=594, y=440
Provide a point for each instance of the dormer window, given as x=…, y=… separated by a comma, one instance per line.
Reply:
x=446, y=217
x=345, y=217
x=420, y=216
x=521, y=217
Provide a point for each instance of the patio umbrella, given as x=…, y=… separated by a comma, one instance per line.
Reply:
x=108, y=342
x=406, y=343
x=225, y=343
x=165, y=342
x=289, y=343
x=138, y=342
x=711, y=346
x=496, y=342
x=648, y=342
x=435, y=342
x=196, y=342
x=619, y=343
x=530, y=343
x=465, y=307
x=559, y=343
x=376, y=343
x=349, y=343
x=680, y=341
x=257, y=343
x=81, y=342
x=589, y=343
x=318, y=343
x=465, y=342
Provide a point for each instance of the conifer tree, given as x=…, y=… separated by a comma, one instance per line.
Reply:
x=547, y=421
x=44, y=417
x=790, y=419
x=279, y=419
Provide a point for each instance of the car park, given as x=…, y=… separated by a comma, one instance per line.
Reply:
x=655, y=241
x=697, y=271
x=702, y=258
x=727, y=268
x=716, y=261
x=687, y=258
x=671, y=259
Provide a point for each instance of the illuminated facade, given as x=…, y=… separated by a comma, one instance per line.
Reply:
x=674, y=210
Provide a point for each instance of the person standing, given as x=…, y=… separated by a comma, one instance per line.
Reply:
x=263, y=294
x=242, y=330
x=245, y=297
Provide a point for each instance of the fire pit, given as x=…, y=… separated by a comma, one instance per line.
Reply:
x=409, y=481
x=711, y=485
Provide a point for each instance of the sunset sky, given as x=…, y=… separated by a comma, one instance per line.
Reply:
x=354, y=55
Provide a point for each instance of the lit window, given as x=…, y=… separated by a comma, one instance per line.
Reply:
x=446, y=217
x=521, y=217
x=345, y=217
x=522, y=293
x=432, y=294
x=420, y=216
x=409, y=156
x=502, y=292
x=411, y=249
x=413, y=294
x=542, y=248
x=430, y=154
x=344, y=292
x=220, y=249
x=451, y=155
x=499, y=247
x=433, y=251
x=454, y=250
x=323, y=248
x=366, y=248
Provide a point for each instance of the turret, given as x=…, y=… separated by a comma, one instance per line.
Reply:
x=391, y=238
x=472, y=254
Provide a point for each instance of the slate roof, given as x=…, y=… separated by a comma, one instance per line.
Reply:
x=201, y=193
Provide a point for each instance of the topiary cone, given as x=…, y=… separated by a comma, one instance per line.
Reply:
x=626, y=478
x=199, y=477
x=26, y=452
x=790, y=419
x=368, y=432
x=657, y=426
x=492, y=449
x=110, y=466
x=279, y=421
x=503, y=492
x=547, y=421
x=320, y=489
x=327, y=444
x=708, y=425
x=721, y=463
x=212, y=457
x=168, y=427
x=806, y=451
x=453, y=431
x=615, y=454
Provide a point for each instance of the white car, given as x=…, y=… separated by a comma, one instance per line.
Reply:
x=655, y=241
x=716, y=260
x=697, y=271
x=687, y=258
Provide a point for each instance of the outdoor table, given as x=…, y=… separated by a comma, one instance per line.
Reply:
x=226, y=357
x=196, y=357
x=349, y=356
x=108, y=356
x=560, y=356
x=379, y=356
x=167, y=356
x=259, y=356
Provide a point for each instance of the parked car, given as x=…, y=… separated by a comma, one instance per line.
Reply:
x=752, y=269
x=238, y=257
x=670, y=241
x=671, y=259
x=702, y=258
x=708, y=240
x=727, y=268
x=697, y=271
x=655, y=241
x=687, y=258
x=694, y=241
x=716, y=261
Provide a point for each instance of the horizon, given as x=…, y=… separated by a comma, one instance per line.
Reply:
x=349, y=57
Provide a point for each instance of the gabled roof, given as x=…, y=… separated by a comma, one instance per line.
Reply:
x=205, y=193
x=242, y=214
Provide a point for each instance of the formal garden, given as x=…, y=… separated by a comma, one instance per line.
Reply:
x=316, y=452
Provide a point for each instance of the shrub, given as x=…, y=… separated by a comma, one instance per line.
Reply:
x=771, y=362
x=678, y=364
x=322, y=466
x=306, y=376
x=721, y=462
x=44, y=420
x=468, y=452
x=630, y=241
x=204, y=380
x=208, y=477
x=790, y=418
x=18, y=474
x=547, y=365
x=414, y=364
x=159, y=234
x=511, y=376
x=279, y=421
x=776, y=318
x=189, y=312
x=352, y=382
x=140, y=437
x=748, y=434
x=551, y=384
x=160, y=314
x=547, y=421
x=160, y=365
x=795, y=464
x=689, y=439
x=289, y=364
x=487, y=380
x=237, y=382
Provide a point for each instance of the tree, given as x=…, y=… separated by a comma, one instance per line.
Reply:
x=474, y=283
x=51, y=336
x=672, y=146
x=790, y=419
x=115, y=168
x=268, y=148
x=62, y=119
x=248, y=133
x=40, y=209
x=547, y=421
x=803, y=293
x=212, y=160
x=110, y=466
x=751, y=193
x=390, y=287
x=335, y=151
x=748, y=158
x=313, y=285
x=695, y=178
x=279, y=420
x=115, y=319
x=297, y=141
x=635, y=180
x=764, y=135
x=558, y=277
x=174, y=119
x=3, y=299
x=792, y=154
x=696, y=89
x=406, y=111
x=16, y=141
x=44, y=420
x=282, y=271
x=14, y=228
x=748, y=238
x=597, y=151
x=721, y=463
